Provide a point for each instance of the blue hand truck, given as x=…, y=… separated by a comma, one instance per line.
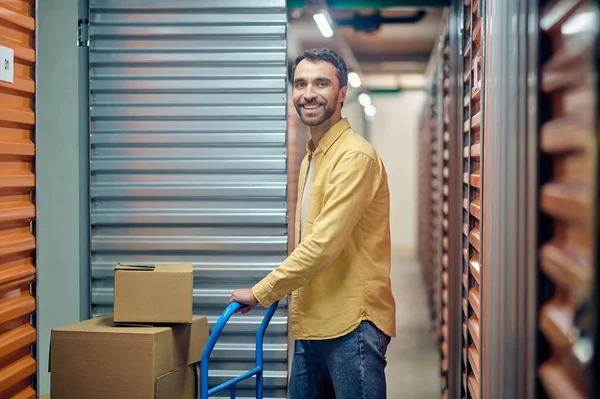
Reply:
x=205, y=393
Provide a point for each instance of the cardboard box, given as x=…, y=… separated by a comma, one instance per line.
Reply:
x=154, y=294
x=95, y=359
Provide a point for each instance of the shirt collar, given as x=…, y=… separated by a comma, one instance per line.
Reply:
x=330, y=136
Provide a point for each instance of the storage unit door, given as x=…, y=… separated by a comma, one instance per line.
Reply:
x=568, y=197
x=17, y=209
x=473, y=217
x=188, y=157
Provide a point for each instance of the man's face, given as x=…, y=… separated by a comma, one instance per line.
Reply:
x=317, y=94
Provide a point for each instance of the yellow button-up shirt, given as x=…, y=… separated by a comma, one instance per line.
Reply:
x=339, y=274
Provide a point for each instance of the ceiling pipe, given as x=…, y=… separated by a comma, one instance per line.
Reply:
x=372, y=23
x=371, y=4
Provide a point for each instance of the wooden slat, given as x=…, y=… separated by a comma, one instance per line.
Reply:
x=563, y=135
x=475, y=239
x=474, y=300
x=475, y=208
x=476, y=150
x=474, y=359
x=20, y=370
x=476, y=94
x=474, y=330
x=556, y=322
x=566, y=269
x=477, y=56
x=565, y=68
x=444, y=364
x=477, y=31
x=15, y=307
x=476, y=179
x=444, y=348
x=474, y=267
x=568, y=202
x=16, y=339
x=476, y=121
x=27, y=393
x=473, y=387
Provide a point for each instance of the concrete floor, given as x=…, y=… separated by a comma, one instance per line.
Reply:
x=413, y=360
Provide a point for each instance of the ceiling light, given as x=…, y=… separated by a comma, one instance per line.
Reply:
x=354, y=79
x=364, y=99
x=323, y=24
x=579, y=23
x=370, y=110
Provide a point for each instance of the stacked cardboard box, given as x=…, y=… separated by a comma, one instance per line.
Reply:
x=149, y=348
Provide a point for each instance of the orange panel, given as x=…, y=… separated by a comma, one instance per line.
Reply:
x=17, y=211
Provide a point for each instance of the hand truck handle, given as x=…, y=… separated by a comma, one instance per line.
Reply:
x=212, y=340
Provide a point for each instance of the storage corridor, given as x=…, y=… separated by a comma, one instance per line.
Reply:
x=413, y=356
x=139, y=133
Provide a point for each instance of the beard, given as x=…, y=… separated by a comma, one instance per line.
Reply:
x=323, y=113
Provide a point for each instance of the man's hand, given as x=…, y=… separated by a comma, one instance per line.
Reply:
x=245, y=297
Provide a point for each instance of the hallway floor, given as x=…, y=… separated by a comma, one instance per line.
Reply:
x=413, y=360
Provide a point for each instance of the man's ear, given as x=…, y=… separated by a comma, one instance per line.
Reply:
x=343, y=93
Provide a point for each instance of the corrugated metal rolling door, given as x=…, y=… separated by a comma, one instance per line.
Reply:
x=188, y=156
x=473, y=195
x=568, y=199
x=17, y=209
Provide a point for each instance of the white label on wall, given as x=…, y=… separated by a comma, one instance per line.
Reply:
x=7, y=64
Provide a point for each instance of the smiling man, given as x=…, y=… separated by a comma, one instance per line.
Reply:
x=343, y=310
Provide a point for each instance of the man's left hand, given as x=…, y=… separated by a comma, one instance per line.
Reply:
x=245, y=297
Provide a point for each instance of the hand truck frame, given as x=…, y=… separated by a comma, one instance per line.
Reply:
x=257, y=371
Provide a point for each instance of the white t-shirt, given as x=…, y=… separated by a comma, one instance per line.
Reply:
x=306, y=194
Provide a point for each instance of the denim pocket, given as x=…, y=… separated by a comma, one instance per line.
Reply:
x=384, y=341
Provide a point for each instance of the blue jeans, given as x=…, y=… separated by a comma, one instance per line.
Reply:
x=348, y=367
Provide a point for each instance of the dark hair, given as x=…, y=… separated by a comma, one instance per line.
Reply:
x=327, y=55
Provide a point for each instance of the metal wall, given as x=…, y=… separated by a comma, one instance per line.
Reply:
x=509, y=204
x=17, y=209
x=188, y=118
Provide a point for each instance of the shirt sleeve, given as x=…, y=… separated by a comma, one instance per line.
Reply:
x=348, y=193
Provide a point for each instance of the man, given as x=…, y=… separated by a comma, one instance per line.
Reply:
x=343, y=311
